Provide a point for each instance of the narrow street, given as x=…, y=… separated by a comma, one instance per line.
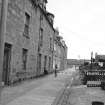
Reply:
x=65, y=89
x=41, y=91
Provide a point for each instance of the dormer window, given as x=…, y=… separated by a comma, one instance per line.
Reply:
x=41, y=37
x=43, y=4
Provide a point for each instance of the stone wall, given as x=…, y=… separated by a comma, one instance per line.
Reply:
x=15, y=37
x=47, y=46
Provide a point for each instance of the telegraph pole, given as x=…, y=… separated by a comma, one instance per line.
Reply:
x=3, y=18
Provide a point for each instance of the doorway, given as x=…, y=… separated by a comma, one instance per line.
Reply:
x=45, y=63
x=6, y=64
x=38, y=64
x=49, y=63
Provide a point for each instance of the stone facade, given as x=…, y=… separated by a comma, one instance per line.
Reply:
x=25, y=20
x=46, y=48
x=63, y=55
x=60, y=52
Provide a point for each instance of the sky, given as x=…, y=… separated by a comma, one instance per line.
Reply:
x=82, y=25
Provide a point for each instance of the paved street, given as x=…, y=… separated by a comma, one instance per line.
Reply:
x=41, y=91
x=81, y=94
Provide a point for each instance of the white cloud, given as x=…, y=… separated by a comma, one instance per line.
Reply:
x=82, y=23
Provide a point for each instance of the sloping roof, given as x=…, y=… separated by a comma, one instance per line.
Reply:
x=48, y=13
x=75, y=61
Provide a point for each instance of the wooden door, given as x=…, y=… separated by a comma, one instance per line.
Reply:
x=6, y=64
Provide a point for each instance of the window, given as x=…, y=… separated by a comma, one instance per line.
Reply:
x=41, y=17
x=39, y=63
x=24, y=58
x=41, y=37
x=49, y=63
x=50, y=43
x=45, y=62
x=27, y=23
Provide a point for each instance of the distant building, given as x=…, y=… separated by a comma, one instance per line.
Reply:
x=100, y=59
x=60, y=52
x=29, y=41
x=75, y=62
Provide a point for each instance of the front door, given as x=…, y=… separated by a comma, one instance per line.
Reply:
x=6, y=64
x=45, y=62
x=38, y=65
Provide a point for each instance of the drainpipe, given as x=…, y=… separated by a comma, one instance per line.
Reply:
x=3, y=18
x=38, y=46
x=53, y=52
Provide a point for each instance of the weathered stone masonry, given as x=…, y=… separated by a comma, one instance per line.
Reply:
x=20, y=43
x=60, y=52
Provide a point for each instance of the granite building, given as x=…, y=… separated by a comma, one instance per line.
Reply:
x=28, y=47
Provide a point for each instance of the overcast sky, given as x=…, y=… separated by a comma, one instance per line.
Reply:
x=82, y=25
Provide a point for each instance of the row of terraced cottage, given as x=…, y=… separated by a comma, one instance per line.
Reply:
x=32, y=45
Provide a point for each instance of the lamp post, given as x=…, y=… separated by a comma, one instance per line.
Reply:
x=4, y=6
x=91, y=59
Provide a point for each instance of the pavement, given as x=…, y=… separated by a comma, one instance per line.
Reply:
x=41, y=91
x=65, y=89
